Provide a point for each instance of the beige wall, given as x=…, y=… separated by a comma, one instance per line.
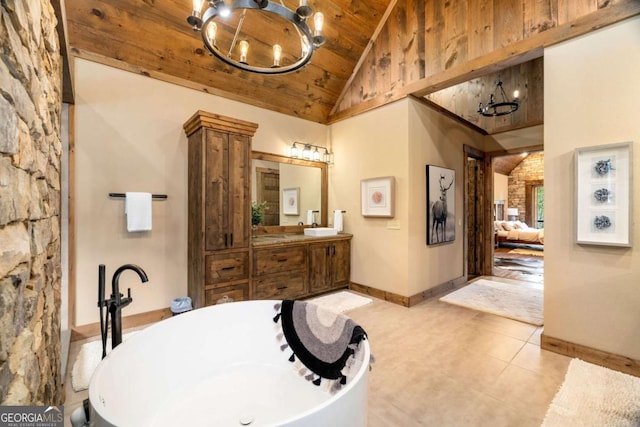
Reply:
x=436, y=140
x=129, y=137
x=398, y=140
x=371, y=145
x=501, y=187
x=592, y=293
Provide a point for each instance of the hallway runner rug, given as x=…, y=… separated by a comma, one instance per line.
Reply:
x=595, y=396
x=518, y=301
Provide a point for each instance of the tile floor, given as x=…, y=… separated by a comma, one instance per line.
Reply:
x=443, y=365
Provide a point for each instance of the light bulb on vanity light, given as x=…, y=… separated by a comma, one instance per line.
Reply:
x=293, y=151
x=306, y=152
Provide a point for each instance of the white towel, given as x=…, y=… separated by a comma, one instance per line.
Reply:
x=310, y=217
x=137, y=207
x=337, y=220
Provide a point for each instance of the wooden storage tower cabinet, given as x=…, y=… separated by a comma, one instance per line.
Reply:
x=219, y=207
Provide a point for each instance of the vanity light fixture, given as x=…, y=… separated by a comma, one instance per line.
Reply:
x=493, y=108
x=307, y=152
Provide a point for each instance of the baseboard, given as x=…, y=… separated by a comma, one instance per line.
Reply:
x=591, y=355
x=133, y=321
x=407, y=301
x=436, y=290
x=380, y=294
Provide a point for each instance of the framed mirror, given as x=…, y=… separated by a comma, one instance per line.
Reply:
x=293, y=191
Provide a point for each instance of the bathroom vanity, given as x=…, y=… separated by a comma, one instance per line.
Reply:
x=227, y=261
x=292, y=266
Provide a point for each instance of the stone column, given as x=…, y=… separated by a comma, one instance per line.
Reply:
x=30, y=150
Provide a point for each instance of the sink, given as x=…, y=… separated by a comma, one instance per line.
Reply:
x=320, y=231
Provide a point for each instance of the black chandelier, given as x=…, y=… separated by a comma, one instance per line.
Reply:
x=493, y=108
x=221, y=27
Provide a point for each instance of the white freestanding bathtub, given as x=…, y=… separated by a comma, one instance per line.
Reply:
x=218, y=366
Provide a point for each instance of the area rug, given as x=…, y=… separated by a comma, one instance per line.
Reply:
x=526, y=252
x=340, y=302
x=87, y=361
x=595, y=396
x=518, y=301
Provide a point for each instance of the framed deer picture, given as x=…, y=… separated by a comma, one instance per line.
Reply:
x=441, y=205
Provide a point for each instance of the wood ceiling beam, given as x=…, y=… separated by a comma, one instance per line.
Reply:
x=449, y=114
x=363, y=57
x=508, y=56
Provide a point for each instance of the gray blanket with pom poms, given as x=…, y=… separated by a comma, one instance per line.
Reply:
x=323, y=341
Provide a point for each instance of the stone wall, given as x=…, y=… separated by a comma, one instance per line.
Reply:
x=530, y=169
x=30, y=150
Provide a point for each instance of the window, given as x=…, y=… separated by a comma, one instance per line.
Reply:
x=538, y=206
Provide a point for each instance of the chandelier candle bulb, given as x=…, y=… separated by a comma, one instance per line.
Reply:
x=516, y=94
x=211, y=32
x=318, y=23
x=277, y=53
x=244, y=48
x=197, y=6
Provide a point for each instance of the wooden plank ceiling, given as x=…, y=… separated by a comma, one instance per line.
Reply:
x=152, y=37
x=447, y=53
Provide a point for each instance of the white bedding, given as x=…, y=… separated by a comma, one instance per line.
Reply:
x=518, y=231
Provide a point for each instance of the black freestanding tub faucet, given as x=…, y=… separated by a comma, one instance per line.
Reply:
x=115, y=304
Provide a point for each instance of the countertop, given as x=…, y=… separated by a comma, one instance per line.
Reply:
x=278, y=239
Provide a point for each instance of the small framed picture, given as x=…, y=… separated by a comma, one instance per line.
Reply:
x=290, y=197
x=377, y=197
x=603, y=195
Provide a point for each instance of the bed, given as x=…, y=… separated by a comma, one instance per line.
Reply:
x=517, y=232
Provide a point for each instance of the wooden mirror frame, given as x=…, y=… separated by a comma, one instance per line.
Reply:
x=277, y=229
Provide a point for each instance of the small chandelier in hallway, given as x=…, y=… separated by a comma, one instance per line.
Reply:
x=504, y=107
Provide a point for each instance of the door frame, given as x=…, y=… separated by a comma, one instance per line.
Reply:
x=489, y=156
x=480, y=156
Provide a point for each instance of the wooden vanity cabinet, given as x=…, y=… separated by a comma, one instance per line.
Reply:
x=301, y=269
x=280, y=272
x=329, y=265
x=219, y=208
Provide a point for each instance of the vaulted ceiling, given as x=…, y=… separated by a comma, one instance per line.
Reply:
x=446, y=54
x=152, y=37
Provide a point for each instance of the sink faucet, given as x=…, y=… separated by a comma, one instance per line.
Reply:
x=115, y=304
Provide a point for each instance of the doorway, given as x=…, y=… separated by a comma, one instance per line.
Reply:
x=518, y=188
